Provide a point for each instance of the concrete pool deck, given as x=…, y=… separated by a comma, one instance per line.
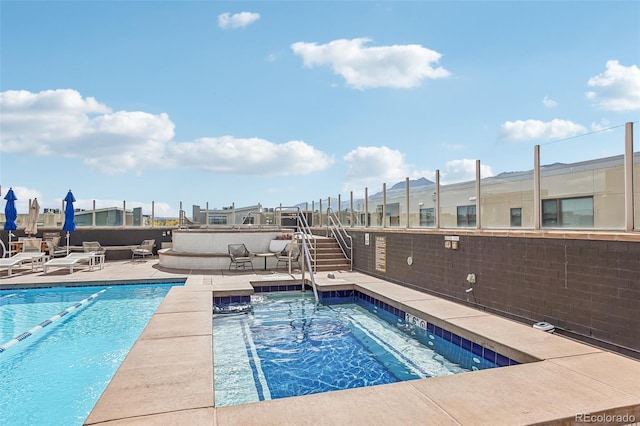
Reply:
x=167, y=377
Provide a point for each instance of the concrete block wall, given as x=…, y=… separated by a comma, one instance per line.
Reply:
x=590, y=289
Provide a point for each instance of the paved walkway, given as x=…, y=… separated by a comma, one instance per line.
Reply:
x=167, y=377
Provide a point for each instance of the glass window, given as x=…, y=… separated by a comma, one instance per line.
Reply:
x=217, y=220
x=393, y=213
x=516, y=216
x=549, y=212
x=427, y=217
x=467, y=216
x=577, y=212
x=568, y=212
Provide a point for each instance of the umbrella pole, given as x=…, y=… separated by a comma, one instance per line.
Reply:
x=67, y=243
x=10, y=253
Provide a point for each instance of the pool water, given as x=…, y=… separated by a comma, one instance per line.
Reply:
x=56, y=375
x=287, y=345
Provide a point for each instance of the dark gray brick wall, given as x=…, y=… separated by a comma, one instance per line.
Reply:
x=589, y=288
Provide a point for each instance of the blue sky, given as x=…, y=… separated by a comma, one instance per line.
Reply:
x=281, y=102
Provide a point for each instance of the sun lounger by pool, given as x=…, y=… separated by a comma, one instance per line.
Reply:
x=16, y=261
x=70, y=261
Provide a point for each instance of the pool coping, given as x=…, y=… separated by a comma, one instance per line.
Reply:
x=168, y=375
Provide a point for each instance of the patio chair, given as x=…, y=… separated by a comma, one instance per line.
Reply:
x=240, y=256
x=70, y=261
x=54, y=249
x=143, y=250
x=31, y=245
x=93, y=247
x=289, y=255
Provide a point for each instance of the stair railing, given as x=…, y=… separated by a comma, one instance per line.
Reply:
x=183, y=220
x=302, y=226
x=338, y=231
x=307, y=260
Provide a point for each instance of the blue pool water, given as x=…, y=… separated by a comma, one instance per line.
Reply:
x=56, y=375
x=287, y=345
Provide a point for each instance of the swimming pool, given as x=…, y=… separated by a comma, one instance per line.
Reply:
x=55, y=374
x=287, y=345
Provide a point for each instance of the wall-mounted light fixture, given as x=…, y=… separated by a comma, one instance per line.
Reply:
x=471, y=278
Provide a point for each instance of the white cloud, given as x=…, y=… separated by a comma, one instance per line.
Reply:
x=549, y=103
x=237, y=20
x=462, y=171
x=252, y=156
x=62, y=123
x=397, y=66
x=526, y=130
x=603, y=125
x=370, y=167
x=616, y=89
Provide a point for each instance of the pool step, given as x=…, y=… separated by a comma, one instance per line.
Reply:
x=329, y=256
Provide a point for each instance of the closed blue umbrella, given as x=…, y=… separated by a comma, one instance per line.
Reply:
x=69, y=216
x=10, y=214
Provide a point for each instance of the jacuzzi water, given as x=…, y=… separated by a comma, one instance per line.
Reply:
x=289, y=346
x=56, y=375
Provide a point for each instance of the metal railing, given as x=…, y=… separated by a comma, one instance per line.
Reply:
x=307, y=260
x=339, y=232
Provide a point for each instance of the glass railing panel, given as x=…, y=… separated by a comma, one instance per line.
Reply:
x=506, y=201
x=374, y=215
x=582, y=182
x=458, y=205
x=422, y=207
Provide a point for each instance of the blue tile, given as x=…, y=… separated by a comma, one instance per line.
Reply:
x=430, y=327
x=476, y=349
x=455, y=339
x=466, y=344
x=489, y=355
x=513, y=362
x=438, y=331
x=446, y=335
x=502, y=360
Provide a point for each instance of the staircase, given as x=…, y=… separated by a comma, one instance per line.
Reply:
x=328, y=256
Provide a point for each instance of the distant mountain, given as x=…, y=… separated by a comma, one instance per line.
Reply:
x=413, y=183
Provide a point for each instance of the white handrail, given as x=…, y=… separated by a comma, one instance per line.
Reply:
x=307, y=258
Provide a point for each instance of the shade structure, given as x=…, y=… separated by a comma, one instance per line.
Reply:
x=69, y=216
x=32, y=220
x=10, y=212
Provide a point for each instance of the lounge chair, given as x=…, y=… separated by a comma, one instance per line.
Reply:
x=143, y=250
x=240, y=256
x=35, y=258
x=289, y=256
x=71, y=261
